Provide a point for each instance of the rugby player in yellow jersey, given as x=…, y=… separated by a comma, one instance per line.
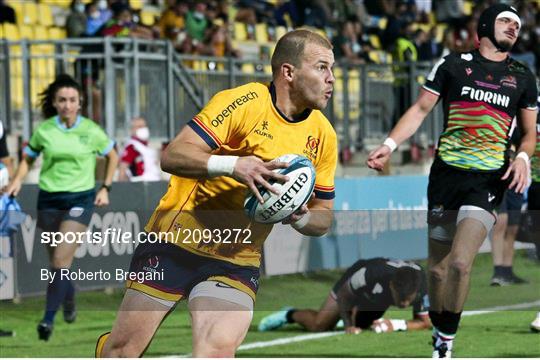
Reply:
x=224, y=150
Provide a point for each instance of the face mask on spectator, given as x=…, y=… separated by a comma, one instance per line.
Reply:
x=79, y=7
x=94, y=15
x=198, y=15
x=102, y=4
x=143, y=133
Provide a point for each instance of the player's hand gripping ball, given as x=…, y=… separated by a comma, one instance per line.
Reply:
x=292, y=194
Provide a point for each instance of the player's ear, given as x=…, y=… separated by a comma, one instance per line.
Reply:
x=287, y=71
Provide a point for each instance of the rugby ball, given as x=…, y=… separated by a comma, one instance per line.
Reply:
x=292, y=194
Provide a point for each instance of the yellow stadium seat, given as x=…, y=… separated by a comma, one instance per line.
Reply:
x=26, y=32
x=30, y=11
x=240, y=31
x=148, y=18
x=45, y=15
x=468, y=7
x=375, y=41
x=439, y=32
x=380, y=57
x=383, y=22
x=248, y=68
x=18, y=7
x=268, y=69
x=200, y=65
x=15, y=65
x=432, y=18
x=261, y=33
x=11, y=32
x=42, y=67
x=136, y=4
x=374, y=56
x=17, y=91
x=57, y=33
x=41, y=33
x=60, y=3
x=1, y=31
x=280, y=31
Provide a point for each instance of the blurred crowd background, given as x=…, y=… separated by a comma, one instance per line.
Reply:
x=362, y=31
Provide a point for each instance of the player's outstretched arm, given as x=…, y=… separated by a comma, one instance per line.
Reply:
x=15, y=185
x=519, y=169
x=419, y=322
x=188, y=155
x=404, y=129
x=347, y=308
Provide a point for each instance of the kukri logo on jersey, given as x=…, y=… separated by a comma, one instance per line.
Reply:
x=485, y=96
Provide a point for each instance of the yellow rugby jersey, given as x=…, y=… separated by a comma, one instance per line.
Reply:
x=207, y=216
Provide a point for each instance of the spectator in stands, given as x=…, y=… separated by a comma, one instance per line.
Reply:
x=451, y=12
x=172, y=22
x=448, y=42
x=427, y=46
x=70, y=144
x=97, y=14
x=252, y=12
x=217, y=41
x=139, y=162
x=348, y=44
x=465, y=36
x=398, y=19
x=404, y=52
x=76, y=20
x=522, y=51
x=287, y=14
x=122, y=25
x=379, y=9
x=196, y=23
x=342, y=10
x=315, y=13
x=7, y=14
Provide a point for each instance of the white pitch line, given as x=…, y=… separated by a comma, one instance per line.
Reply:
x=502, y=308
x=283, y=341
x=299, y=338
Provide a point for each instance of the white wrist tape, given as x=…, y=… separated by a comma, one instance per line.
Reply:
x=220, y=165
x=399, y=325
x=300, y=224
x=524, y=156
x=390, y=143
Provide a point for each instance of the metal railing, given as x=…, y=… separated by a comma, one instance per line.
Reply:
x=123, y=78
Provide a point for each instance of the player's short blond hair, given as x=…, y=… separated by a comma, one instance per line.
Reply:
x=290, y=48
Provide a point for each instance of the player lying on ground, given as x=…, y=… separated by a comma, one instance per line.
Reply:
x=362, y=296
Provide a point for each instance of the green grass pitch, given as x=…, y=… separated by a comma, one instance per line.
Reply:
x=498, y=334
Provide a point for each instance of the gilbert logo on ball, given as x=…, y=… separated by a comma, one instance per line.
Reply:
x=292, y=194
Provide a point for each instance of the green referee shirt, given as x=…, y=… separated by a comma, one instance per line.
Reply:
x=69, y=154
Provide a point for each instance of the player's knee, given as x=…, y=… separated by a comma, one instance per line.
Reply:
x=437, y=274
x=460, y=268
x=214, y=347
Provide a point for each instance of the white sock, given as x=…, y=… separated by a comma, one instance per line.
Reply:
x=441, y=338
